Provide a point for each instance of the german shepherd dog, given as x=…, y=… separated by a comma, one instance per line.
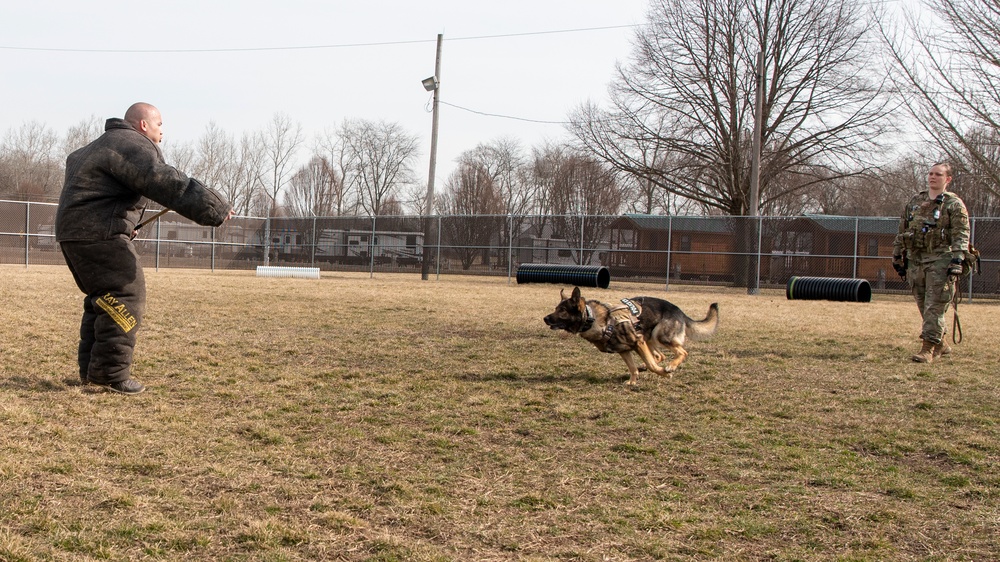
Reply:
x=644, y=325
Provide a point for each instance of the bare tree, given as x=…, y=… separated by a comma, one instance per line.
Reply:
x=280, y=141
x=503, y=161
x=584, y=186
x=181, y=155
x=335, y=152
x=974, y=178
x=314, y=190
x=412, y=198
x=880, y=193
x=83, y=133
x=948, y=66
x=545, y=161
x=378, y=160
x=544, y=166
x=215, y=156
x=646, y=197
x=474, y=207
x=245, y=187
x=391, y=207
x=30, y=168
x=683, y=109
x=585, y=196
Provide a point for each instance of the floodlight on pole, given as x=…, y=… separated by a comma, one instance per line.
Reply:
x=430, y=84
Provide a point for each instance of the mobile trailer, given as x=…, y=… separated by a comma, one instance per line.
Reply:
x=344, y=246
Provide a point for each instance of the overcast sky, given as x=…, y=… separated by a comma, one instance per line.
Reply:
x=62, y=62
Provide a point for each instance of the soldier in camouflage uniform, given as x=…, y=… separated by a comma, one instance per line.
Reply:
x=928, y=252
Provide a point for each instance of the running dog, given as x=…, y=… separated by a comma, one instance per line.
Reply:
x=646, y=325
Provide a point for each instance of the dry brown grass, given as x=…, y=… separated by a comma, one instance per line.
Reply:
x=392, y=419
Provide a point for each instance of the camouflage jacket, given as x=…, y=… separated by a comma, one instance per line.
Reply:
x=931, y=229
x=108, y=180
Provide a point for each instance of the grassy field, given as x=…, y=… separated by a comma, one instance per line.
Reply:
x=391, y=419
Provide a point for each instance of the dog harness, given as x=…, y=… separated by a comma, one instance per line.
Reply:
x=623, y=330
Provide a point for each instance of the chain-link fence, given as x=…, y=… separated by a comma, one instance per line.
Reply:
x=751, y=252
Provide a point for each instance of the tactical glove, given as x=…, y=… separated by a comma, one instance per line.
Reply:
x=899, y=265
x=955, y=267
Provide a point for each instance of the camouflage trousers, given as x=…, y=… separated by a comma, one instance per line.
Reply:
x=933, y=291
x=109, y=274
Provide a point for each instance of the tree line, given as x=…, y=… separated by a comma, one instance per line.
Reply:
x=849, y=100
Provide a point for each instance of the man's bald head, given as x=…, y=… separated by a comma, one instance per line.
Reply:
x=146, y=119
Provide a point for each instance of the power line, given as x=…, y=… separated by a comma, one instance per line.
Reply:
x=483, y=113
x=314, y=47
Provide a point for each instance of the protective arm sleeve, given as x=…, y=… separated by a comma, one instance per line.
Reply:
x=158, y=181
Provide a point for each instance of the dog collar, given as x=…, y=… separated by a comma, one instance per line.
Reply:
x=590, y=320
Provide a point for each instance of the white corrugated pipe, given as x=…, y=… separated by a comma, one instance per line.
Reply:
x=280, y=271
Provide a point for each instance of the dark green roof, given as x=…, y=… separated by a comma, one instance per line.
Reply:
x=724, y=224
x=677, y=222
x=867, y=225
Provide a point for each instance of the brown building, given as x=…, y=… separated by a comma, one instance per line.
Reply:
x=713, y=248
x=682, y=247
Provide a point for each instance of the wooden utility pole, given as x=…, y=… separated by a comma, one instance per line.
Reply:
x=429, y=202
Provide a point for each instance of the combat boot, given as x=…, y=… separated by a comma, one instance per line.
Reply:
x=127, y=386
x=926, y=353
x=941, y=349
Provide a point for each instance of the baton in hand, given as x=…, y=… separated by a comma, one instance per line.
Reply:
x=151, y=219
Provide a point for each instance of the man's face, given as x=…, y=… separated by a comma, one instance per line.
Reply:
x=937, y=178
x=152, y=127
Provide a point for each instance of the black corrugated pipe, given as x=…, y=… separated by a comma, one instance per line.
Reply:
x=579, y=275
x=827, y=288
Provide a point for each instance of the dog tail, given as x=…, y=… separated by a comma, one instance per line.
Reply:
x=703, y=329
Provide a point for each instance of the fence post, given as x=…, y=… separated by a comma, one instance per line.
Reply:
x=670, y=236
x=972, y=236
x=371, y=252
x=760, y=241
x=315, y=241
x=510, y=246
x=854, y=262
x=212, y=259
x=157, y=256
x=753, y=276
x=437, y=254
x=27, y=237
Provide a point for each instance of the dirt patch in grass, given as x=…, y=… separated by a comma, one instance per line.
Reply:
x=351, y=418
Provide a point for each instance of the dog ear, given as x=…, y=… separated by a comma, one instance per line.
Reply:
x=578, y=298
x=562, y=295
